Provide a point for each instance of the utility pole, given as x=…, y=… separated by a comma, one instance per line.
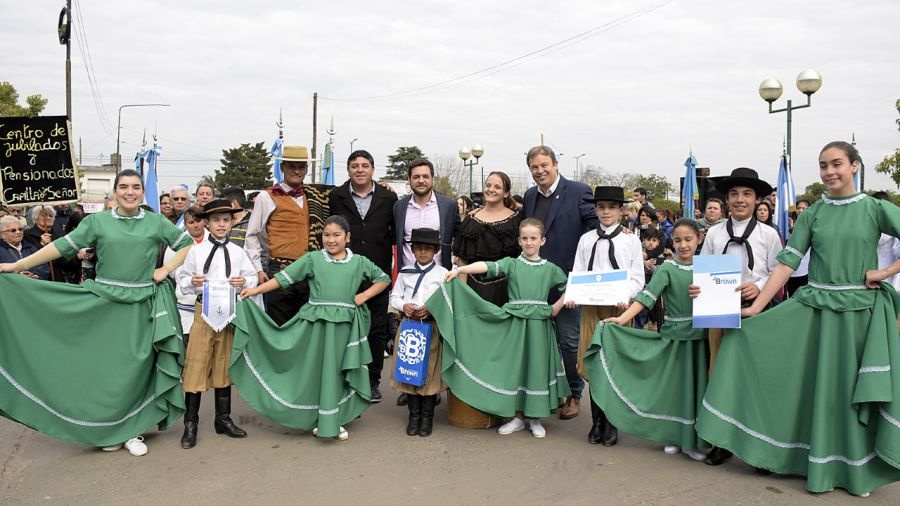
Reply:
x=315, y=121
x=64, y=31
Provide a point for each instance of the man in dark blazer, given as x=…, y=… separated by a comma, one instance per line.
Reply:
x=560, y=204
x=424, y=208
x=369, y=208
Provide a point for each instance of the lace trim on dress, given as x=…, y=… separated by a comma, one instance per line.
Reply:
x=532, y=263
x=844, y=202
x=526, y=301
x=503, y=391
x=836, y=288
x=116, y=215
x=331, y=303
x=124, y=284
x=793, y=250
x=680, y=266
x=329, y=259
x=287, y=404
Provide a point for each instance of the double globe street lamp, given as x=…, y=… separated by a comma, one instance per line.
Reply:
x=808, y=82
x=466, y=154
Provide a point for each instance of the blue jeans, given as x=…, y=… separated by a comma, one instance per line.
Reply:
x=568, y=324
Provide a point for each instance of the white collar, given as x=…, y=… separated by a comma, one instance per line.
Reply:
x=423, y=267
x=116, y=215
x=412, y=200
x=552, y=186
x=329, y=259
x=606, y=229
x=741, y=222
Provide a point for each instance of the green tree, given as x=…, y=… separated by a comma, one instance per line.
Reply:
x=9, y=102
x=669, y=205
x=891, y=163
x=657, y=186
x=814, y=192
x=444, y=186
x=398, y=163
x=247, y=167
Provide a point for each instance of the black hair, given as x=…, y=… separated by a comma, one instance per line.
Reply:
x=641, y=190
x=771, y=209
x=684, y=222
x=418, y=162
x=808, y=203
x=881, y=195
x=127, y=173
x=194, y=213
x=337, y=219
x=651, y=233
x=360, y=153
x=164, y=196
x=72, y=223
x=468, y=203
x=519, y=199
x=235, y=194
x=847, y=148
x=648, y=210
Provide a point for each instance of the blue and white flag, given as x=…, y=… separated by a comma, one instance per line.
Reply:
x=328, y=165
x=785, y=198
x=277, y=151
x=689, y=193
x=151, y=181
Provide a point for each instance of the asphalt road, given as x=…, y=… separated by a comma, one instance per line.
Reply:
x=379, y=464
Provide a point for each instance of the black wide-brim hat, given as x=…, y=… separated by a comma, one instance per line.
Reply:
x=218, y=206
x=743, y=176
x=425, y=236
x=609, y=193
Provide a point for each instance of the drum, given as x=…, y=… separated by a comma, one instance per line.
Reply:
x=464, y=416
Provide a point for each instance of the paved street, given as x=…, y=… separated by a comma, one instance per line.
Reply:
x=381, y=465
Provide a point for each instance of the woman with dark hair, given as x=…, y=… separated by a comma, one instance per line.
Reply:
x=764, y=213
x=646, y=218
x=811, y=387
x=101, y=364
x=465, y=205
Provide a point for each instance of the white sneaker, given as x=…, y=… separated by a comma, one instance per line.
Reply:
x=342, y=436
x=136, y=446
x=695, y=454
x=111, y=448
x=514, y=425
x=671, y=449
x=537, y=430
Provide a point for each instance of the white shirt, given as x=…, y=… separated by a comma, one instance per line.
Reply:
x=763, y=240
x=629, y=255
x=405, y=284
x=196, y=258
x=888, y=253
x=263, y=207
x=552, y=187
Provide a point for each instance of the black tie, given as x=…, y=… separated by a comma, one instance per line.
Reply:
x=612, y=248
x=420, y=271
x=741, y=240
x=212, y=253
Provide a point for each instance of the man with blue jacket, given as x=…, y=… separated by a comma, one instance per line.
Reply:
x=560, y=204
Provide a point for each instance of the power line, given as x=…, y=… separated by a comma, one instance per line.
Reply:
x=499, y=67
x=81, y=40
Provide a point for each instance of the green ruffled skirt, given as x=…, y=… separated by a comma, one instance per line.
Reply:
x=87, y=369
x=309, y=373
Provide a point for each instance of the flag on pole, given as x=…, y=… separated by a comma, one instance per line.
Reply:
x=689, y=192
x=857, y=183
x=277, y=151
x=328, y=165
x=151, y=181
x=785, y=198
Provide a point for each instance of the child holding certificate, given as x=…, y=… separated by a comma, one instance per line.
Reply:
x=213, y=270
x=651, y=384
x=605, y=249
x=505, y=361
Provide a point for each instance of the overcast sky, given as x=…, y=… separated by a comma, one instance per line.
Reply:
x=634, y=97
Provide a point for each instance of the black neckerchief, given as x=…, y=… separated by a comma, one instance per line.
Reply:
x=420, y=271
x=212, y=253
x=729, y=227
x=612, y=248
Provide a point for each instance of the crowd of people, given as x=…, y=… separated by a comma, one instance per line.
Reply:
x=324, y=280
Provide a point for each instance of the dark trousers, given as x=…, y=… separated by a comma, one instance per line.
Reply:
x=378, y=334
x=795, y=284
x=283, y=304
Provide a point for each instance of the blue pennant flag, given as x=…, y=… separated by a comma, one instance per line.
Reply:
x=151, y=181
x=328, y=165
x=689, y=193
x=785, y=197
x=277, y=151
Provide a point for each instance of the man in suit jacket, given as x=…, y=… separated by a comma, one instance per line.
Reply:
x=560, y=204
x=369, y=208
x=424, y=208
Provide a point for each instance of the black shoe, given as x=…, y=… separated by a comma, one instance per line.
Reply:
x=191, y=418
x=376, y=395
x=402, y=399
x=610, y=434
x=415, y=415
x=427, y=422
x=223, y=422
x=595, y=436
x=717, y=456
x=763, y=471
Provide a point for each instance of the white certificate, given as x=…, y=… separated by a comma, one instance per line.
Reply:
x=598, y=288
x=718, y=306
x=218, y=303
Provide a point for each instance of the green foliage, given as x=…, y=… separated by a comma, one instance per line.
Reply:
x=398, y=163
x=657, y=186
x=814, y=192
x=891, y=166
x=247, y=166
x=9, y=102
x=669, y=205
x=443, y=186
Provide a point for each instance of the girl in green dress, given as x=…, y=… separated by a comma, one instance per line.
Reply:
x=101, y=362
x=650, y=383
x=505, y=361
x=811, y=387
x=311, y=373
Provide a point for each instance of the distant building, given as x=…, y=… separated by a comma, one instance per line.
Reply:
x=96, y=185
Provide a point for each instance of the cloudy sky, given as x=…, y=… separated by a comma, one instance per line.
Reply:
x=634, y=97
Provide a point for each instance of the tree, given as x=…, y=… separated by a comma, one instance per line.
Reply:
x=814, y=192
x=443, y=186
x=398, y=164
x=9, y=102
x=449, y=177
x=591, y=175
x=891, y=165
x=657, y=186
x=247, y=167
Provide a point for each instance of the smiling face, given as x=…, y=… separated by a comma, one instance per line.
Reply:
x=129, y=194
x=294, y=173
x=360, y=171
x=543, y=170
x=219, y=225
x=742, y=202
x=494, y=190
x=609, y=213
x=531, y=240
x=12, y=233
x=684, y=241
x=335, y=239
x=836, y=171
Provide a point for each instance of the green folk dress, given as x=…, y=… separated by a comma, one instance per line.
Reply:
x=650, y=384
x=312, y=371
x=503, y=360
x=812, y=386
x=97, y=363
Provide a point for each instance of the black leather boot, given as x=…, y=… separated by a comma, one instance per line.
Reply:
x=402, y=399
x=427, y=422
x=595, y=436
x=414, y=403
x=191, y=418
x=717, y=456
x=610, y=433
x=223, y=423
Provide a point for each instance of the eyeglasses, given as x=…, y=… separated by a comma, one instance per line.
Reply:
x=176, y=199
x=14, y=230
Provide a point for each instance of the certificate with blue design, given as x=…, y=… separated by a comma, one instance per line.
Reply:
x=719, y=304
x=598, y=288
x=218, y=303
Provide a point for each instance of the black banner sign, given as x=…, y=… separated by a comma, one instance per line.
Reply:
x=36, y=161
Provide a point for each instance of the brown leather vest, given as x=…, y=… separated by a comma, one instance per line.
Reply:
x=288, y=228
